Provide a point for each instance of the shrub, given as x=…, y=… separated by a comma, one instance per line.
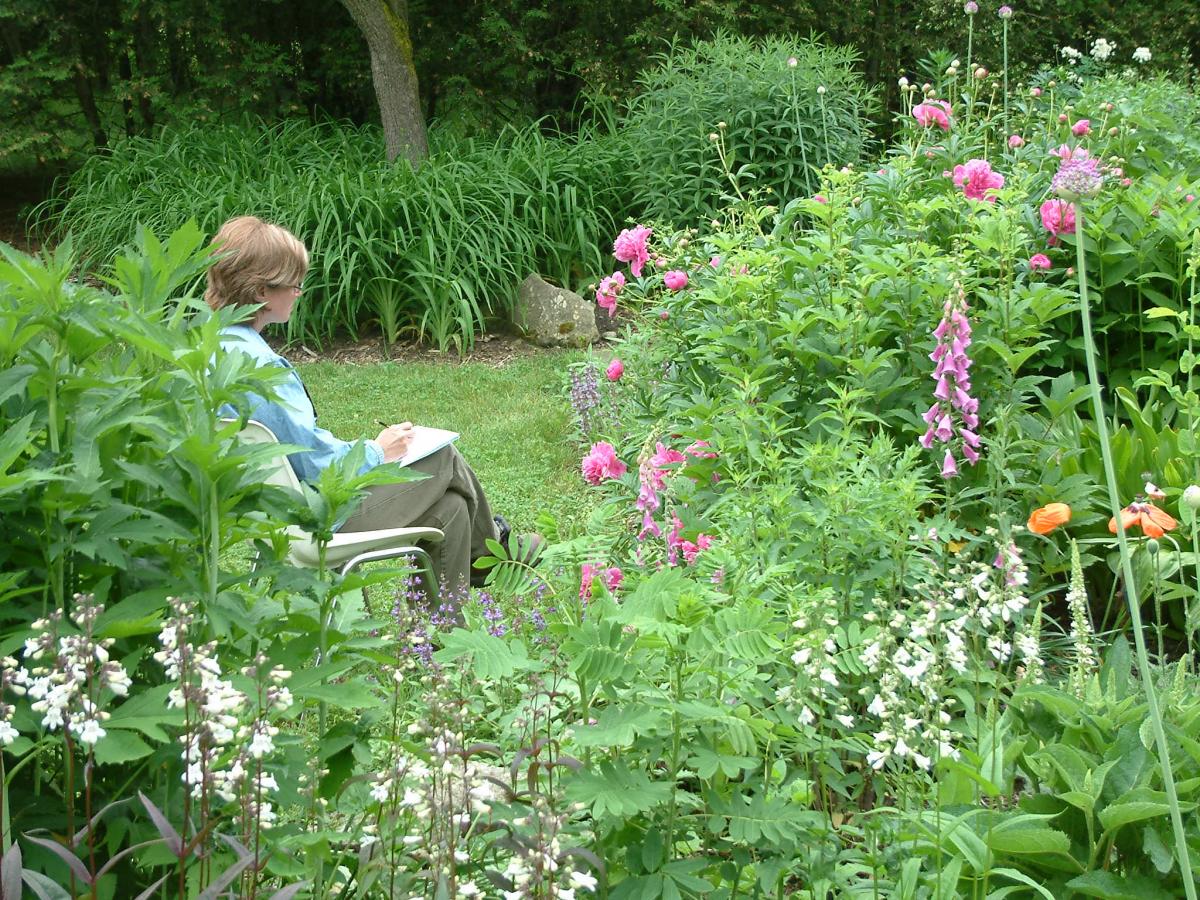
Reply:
x=782, y=122
x=431, y=253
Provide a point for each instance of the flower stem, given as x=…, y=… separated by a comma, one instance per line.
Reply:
x=1131, y=594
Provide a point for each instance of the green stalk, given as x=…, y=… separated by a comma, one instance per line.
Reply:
x=1004, y=42
x=1131, y=594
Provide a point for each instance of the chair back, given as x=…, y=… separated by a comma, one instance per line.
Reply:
x=282, y=475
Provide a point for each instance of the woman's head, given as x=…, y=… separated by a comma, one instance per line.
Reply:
x=259, y=263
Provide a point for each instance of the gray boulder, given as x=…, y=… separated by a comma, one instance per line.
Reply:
x=551, y=316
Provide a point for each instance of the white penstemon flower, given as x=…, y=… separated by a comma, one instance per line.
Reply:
x=223, y=756
x=71, y=673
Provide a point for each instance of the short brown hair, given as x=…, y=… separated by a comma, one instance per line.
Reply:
x=253, y=254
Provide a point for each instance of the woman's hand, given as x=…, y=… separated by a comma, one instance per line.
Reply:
x=395, y=441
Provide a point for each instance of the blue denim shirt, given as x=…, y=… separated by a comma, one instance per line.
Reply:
x=292, y=417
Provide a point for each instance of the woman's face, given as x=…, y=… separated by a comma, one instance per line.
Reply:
x=278, y=301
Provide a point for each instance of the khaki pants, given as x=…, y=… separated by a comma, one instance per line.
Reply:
x=451, y=499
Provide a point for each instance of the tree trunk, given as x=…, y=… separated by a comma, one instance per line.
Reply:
x=384, y=23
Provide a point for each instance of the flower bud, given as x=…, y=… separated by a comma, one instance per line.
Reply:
x=1112, y=132
x=1152, y=546
x=1191, y=496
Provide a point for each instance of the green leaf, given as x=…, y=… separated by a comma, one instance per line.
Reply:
x=1115, y=815
x=1028, y=840
x=1017, y=875
x=617, y=726
x=613, y=790
x=1110, y=886
x=351, y=694
x=491, y=657
x=120, y=747
x=147, y=712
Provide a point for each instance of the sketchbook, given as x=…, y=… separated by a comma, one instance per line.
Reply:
x=427, y=441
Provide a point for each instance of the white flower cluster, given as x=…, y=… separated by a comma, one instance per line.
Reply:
x=66, y=688
x=218, y=721
x=1086, y=660
x=909, y=669
x=1070, y=54
x=920, y=651
x=13, y=680
x=1102, y=49
x=1141, y=55
x=815, y=694
x=433, y=807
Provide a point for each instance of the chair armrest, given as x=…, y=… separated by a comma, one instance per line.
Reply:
x=347, y=544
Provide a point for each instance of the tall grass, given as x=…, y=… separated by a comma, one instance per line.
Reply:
x=430, y=253
x=789, y=107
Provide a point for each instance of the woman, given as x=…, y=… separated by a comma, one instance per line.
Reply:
x=263, y=266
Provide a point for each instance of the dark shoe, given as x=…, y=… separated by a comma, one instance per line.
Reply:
x=503, y=529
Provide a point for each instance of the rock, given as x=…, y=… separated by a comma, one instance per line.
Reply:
x=554, y=317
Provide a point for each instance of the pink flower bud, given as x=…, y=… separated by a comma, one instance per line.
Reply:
x=1015, y=141
x=1062, y=117
x=675, y=280
x=1035, y=92
x=615, y=370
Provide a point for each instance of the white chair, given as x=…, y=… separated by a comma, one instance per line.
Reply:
x=347, y=550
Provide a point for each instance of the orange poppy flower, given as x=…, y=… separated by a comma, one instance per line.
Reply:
x=1153, y=521
x=1045, y=519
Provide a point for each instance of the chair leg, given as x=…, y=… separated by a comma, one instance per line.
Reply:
x=420, y=555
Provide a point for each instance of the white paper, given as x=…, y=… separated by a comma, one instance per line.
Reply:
x=427, y=441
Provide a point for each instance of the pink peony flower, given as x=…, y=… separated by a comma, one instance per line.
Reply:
x=933, y=112
x=601, y=463
x=977, y=180
x=611, y=576
x=1058, y=217
x=820, y=198
x=630, y=247
x=610, y=287
x=1035, y=92
x=1015, y=141
x=715, y=262
x=615, y=370
x=1082, y=127
x=1066, y=151
x=675, y=280
x=1039, y=261
x=1126, y=182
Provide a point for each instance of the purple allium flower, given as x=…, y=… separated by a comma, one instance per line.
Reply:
x=954, y=415
x=1005, y=12
x=1078, y=178
x=970, y=7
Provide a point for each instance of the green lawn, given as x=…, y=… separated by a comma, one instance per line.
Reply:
x=514, y=420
